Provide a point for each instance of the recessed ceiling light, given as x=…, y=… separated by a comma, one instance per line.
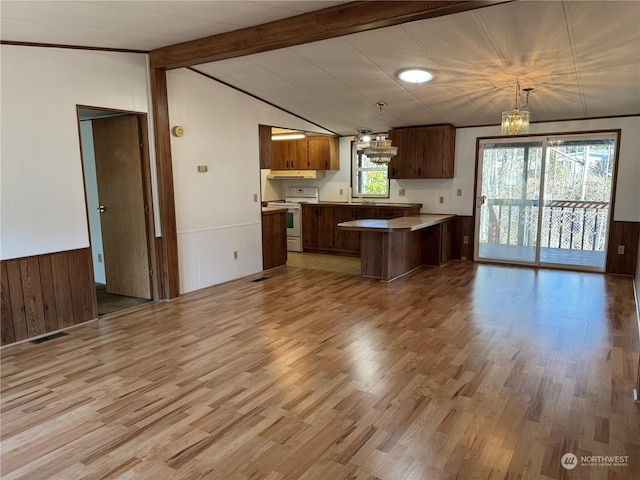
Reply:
x=415, y=75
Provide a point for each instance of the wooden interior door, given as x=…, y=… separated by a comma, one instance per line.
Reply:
x=117, y=147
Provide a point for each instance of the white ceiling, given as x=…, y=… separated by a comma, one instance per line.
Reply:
x=137, y=24
x=582, y=57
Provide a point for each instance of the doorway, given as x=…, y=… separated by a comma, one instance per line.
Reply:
x=546, y=201
x=114, y=154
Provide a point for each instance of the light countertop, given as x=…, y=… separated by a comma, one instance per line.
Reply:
x=400, y=224
x=273, y=210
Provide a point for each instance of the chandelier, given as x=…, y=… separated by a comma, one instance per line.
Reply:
x=516, y=121
x=380, y=150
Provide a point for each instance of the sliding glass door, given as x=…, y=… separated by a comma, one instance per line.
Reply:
x=545, y=200
x=508, y=204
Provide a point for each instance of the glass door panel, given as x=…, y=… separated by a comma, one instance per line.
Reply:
x=509, y=187
x=577, y=196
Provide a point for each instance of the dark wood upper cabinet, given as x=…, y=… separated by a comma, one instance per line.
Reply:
x=265, y=146
x=311, y=153
x=423, y=152
x=323, y=153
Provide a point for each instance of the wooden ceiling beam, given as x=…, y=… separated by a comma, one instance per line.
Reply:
x=309, y=27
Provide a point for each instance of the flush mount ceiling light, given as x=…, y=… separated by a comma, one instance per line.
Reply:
x=516, y=121
x=415, y=75
x=380, y=150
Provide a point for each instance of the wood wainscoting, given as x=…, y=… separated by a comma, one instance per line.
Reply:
x=465, y=227
x=620, y=233
x=45, y=293
x=626, y=234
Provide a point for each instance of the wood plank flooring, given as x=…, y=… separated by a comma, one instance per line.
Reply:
x=466, y=372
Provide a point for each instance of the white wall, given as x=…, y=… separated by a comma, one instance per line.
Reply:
x=91, y=182
x=215, y=211
x=427, y=192
x=42, y=192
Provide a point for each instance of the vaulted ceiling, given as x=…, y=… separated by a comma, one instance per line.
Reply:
x=582, y=58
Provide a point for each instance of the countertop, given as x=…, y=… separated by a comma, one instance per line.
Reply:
x=400, y=224
x=273, y=210
x=374, y=204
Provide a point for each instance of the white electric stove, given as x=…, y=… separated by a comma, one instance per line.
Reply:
x=293, y=200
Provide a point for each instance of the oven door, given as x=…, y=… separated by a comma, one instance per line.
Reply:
x=294, y=221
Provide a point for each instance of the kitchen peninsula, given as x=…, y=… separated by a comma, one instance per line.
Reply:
x=394, y=247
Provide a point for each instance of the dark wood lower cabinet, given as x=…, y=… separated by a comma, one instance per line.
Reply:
x=318, y=227
x=319, y=221
x=274, y=239
x=437, y=243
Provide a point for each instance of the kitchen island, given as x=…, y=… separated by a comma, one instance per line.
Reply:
x=391, y=248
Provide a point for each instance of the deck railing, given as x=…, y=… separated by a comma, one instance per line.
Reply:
x=565, y=224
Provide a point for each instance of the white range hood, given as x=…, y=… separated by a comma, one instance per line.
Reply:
x=295, y=174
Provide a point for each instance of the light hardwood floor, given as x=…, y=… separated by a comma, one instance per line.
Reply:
x=468, y=372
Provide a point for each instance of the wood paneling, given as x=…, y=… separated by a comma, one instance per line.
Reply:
x=305, y=28
x=7, y=332
x=626, y=234
x=44, y=293
x=464, y=227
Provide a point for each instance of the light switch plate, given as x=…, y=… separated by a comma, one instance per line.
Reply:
x=620, y=249
x=459, y=192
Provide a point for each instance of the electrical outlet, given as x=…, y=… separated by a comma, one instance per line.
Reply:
x=620, y=249
x=459, y=192
x=235, y=254
x=100, y=258
x=255, y=198
x=465, y=239
x=401, y=192
x=441, y=200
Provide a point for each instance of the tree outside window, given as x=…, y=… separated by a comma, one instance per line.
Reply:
x=368, y=179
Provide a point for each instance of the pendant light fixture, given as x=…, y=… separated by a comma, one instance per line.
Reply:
x=380, y=150
x=516, y=121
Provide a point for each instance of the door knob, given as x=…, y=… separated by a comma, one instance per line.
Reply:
x=101, y=209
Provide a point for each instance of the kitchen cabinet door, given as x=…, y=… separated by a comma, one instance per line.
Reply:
x=349, y=242
x=434, y=152
x=280, y=155
x=323, y=153
x=317, y=227
x=423, y=152
x=298, y=155
x=403, y=165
